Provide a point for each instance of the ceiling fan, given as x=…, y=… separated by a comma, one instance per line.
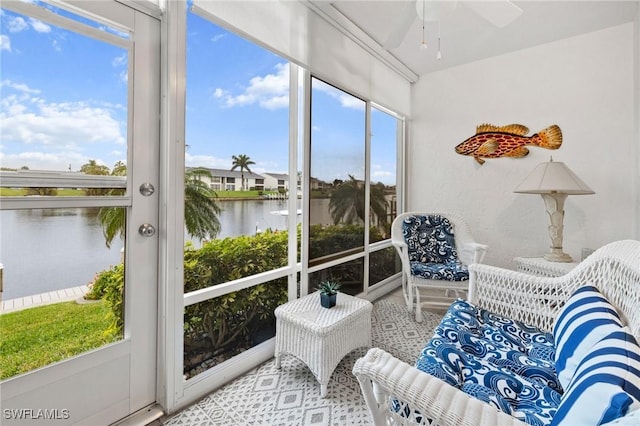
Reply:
x=498, y=12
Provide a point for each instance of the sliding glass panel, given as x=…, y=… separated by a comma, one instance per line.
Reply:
x=237, y=191
x=218, y=329
x=337, y=172
x=237, y=133
x=383, y=196
x=350, y=275
x=383, y=264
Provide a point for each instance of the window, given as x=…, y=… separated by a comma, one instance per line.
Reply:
x=337, y=173
x=237, y=100
x=64, y=137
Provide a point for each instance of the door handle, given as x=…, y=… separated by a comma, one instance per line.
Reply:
x=147, y=230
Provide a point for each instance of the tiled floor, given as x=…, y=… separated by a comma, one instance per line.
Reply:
x=301, y=401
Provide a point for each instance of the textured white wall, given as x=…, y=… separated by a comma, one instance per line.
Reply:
x=584, y=84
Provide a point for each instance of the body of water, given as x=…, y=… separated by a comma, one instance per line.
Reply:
x=44, y=250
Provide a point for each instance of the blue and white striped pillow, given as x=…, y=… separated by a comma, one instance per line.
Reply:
x=606, y=385
x=583, y=321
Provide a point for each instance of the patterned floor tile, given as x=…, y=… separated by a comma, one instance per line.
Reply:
x=290, y=396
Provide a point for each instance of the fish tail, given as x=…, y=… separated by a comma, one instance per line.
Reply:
x=549, y=138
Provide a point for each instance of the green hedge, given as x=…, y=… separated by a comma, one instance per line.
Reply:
x=232, y=322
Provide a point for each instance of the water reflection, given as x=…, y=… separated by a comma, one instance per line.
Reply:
x=44, y=250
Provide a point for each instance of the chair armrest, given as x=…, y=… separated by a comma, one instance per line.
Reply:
x=528, y=298
x=475, y=251
x=384, y=378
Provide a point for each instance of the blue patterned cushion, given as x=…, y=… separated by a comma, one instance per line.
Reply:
x=585, y=319
x=452, y=271
x=502, y=362
x=524, y=398
x=499, y=329
x=489, y=341
x=606, y=384
x=429, y=239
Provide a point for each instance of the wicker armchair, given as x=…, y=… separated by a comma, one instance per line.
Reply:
x=614, y=269
x=468, y=252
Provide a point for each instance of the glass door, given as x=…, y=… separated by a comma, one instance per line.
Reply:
x=78, y=211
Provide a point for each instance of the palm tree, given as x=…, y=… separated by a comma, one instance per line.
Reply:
x=242, y=162
x=200, y=208
x=347, y=202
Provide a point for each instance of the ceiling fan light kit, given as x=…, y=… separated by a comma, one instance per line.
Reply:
x=499, y=13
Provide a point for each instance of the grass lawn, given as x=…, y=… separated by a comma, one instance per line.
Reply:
x=39, y=336
x=238, y=194
x=66, y=192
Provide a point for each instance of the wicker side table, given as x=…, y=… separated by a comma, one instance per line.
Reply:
x=542, y=267
x=321, y=337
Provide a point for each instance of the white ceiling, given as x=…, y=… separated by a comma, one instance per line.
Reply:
x=466, y=36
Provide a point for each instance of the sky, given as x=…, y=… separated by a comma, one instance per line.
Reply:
x=64, y=102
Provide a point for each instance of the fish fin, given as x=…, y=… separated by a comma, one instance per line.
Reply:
x=549, y=138
x=488, y=147
x=486, y=127
x=519, y=152
x=479, y=160
x=516, y=129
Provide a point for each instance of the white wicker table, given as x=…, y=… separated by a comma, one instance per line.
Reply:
x=321, y=337
x=542, y=267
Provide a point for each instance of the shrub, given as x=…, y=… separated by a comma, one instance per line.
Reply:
x=230, y=320
x=109, y=285
x=229, y=323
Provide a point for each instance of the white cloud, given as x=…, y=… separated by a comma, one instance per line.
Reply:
x=270, y=91
x=346, y=100
x=123, y=76
x=5, y=43
x=45, y=160
x=217, y=37
x=115, y=31
x=39, y=26
x=18, y=86
x=119, y=61
x=26, y=119
x=206, y=161
x=15, y=24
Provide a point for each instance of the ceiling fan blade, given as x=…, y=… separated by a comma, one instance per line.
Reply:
x=499, y=13
x=401, y=24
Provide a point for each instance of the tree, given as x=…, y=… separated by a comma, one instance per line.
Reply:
x=93, y=168
x=200, y=208
x=347, y=202
x=242, y=162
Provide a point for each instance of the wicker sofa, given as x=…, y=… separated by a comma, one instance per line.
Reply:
x=399, y=393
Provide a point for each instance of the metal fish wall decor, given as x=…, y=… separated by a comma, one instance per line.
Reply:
x=507, y=141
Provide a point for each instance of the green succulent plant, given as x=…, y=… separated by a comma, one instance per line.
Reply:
x=328, y=287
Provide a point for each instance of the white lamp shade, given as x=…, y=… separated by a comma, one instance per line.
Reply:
x=553, y=177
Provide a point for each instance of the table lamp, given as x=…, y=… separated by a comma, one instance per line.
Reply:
x=554, y=181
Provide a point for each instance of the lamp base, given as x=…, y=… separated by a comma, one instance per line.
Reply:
x=557, y=255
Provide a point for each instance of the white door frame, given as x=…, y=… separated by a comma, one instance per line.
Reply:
x=111, y=382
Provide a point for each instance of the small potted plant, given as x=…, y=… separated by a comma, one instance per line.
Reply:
x=328, y=293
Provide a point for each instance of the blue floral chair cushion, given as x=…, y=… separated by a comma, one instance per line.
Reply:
x=524, y=398
x=431, y=248
x=503, y=362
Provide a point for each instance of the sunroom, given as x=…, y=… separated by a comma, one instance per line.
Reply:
x=114, y=113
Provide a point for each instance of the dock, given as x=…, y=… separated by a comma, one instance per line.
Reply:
x=57, y=296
